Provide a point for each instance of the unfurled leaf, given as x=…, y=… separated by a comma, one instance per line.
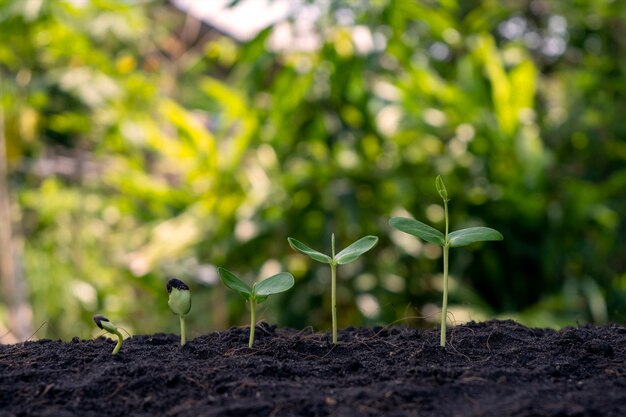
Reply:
x=273, y=285
x=473, y=234
x=358, y=248
x=302, y=248
x=418, y=229
x=234, y=283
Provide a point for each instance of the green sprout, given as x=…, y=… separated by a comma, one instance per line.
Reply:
x=349, y=254
x=258, y=292
x=180, y=303
x=104, y=323
x=455, y=239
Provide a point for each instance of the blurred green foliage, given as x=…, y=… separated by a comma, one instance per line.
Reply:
x=138, y=153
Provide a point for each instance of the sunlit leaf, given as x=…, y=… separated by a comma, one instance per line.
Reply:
x=358, y=248
x=473, y=234
x=418, y=229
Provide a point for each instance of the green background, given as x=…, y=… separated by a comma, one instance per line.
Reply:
x=142, y=144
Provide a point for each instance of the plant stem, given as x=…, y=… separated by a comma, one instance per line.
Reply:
x=444, y=304
x=333, y=290
x=333, y=299
x=252, y=324
x=183, y=331
x=120, y=340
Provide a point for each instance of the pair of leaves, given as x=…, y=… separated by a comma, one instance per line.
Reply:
x=456, y=239
x=260, y=290
x=349, y=254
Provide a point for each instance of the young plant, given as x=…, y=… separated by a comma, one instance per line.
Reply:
x=349, y=254
x=455, y=239
x=104, y=323
x=180, y=303
x=258, y=292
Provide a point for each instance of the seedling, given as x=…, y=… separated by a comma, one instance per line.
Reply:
x=180, y=303
x=349, y=254
x=455, y=239
x=258, y=292
x=104, y=323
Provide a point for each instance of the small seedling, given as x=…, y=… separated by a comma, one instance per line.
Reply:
x=349, y=254
x=455, y=239
x=180, y=303
x=258, y=292
x=104, y=323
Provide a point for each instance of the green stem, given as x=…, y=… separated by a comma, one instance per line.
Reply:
x=333, y=290
x=183, y=331
x=444, y=304
x=120, y=340
x=333, y=299
x=252, y=324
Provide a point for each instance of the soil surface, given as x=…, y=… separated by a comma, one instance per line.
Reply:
x=495, y=368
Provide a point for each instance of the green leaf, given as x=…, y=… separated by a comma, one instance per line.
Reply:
x=358, y=248
x=473, y=234
x=441, y=188
x=302, y=248
x=273, y=285
x=419, y=229
x=234, y=283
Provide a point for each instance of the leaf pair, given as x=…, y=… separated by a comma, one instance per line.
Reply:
x=349, y=254
x=456, y=239
x=259, y=291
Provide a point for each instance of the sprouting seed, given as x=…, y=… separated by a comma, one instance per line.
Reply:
x=180, y=303
x=104, y=324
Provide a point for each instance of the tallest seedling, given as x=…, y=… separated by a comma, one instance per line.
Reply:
x=455, y=239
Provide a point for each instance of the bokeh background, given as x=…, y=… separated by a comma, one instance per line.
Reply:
x=147, y=139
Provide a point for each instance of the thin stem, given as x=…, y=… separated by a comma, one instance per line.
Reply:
x=333, y=289
x=444, y=304
x=183, y=331
x=120, y=340
x=252, y=324
x=333, y=299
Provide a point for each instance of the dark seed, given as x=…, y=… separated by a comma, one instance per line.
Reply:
x=176, y=283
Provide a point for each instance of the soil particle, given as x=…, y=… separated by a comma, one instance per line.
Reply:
x=495, y=368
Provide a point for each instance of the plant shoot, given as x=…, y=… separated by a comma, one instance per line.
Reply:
x=258, y=292
x=349, y=254
x=104, y=324
x=446, y=240
x=180, y=304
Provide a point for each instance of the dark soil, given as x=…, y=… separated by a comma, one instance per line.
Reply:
x=496, y=368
